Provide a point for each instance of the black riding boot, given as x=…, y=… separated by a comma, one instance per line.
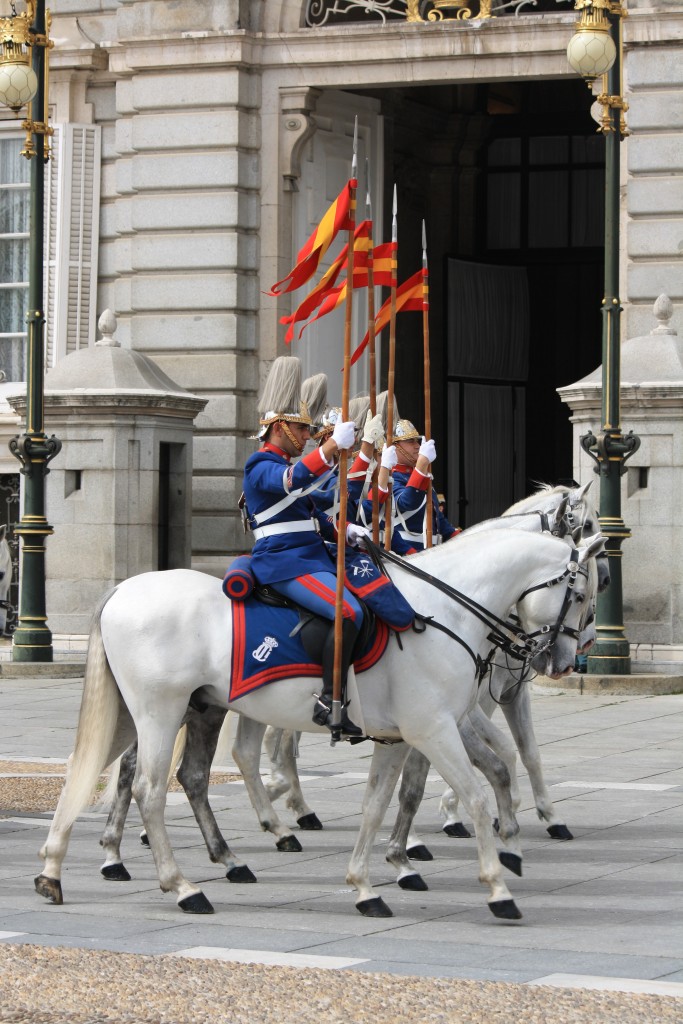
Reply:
x=322, y=713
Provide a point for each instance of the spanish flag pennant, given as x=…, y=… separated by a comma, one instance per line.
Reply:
x=339, y=217
x=327, y=282
x=411, y=295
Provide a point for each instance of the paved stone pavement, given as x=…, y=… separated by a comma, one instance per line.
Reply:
x=603, y=910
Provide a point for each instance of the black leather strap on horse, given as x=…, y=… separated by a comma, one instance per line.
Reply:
x=482, y=665
x=500, y=628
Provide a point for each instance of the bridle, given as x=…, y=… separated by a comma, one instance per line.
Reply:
x=505, y=634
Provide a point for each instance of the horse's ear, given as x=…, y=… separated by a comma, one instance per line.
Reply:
x=558, y=514
x=3, y=531
x=583, y=491
x=594, y=545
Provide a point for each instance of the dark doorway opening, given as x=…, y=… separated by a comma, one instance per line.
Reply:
x=506, y=175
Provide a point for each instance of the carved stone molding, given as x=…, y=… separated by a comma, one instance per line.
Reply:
x=296, y=128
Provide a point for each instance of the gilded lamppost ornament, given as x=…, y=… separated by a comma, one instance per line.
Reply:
x=18, y=79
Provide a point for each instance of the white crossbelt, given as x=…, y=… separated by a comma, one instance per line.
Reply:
x=275, y=528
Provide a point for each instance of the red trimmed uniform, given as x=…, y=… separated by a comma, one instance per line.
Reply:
x=289, y=551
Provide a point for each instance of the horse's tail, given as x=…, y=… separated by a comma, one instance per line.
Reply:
x=97, y=722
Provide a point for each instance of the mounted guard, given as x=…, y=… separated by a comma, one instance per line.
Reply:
x=290, y=554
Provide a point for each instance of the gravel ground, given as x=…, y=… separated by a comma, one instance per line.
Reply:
x=40, y=985
x=34, y=786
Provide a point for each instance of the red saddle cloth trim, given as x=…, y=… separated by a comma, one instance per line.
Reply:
x=241, y=684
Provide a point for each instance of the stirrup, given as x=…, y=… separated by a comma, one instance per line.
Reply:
x=322, y=714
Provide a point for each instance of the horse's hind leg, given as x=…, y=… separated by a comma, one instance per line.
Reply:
x=113, y=868
x=247, y=756
x=387, y=761
x=518, y=716
x=412, y=789
x=203, y=729
x=156, y=738
x=281, y=747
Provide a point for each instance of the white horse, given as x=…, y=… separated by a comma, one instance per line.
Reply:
x=159, y=638
x=555, y=510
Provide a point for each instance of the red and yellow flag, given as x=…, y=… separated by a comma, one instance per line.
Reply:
x=326, y=284
x=337, y=218
x=411, y=294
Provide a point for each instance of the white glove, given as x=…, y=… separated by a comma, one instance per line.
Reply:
x=356, y=534
x=373, y=430
x=389, y=457
x=428, y=449
x=344, y=434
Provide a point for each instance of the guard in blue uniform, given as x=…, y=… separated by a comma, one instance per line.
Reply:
x=290, y=554
x=408, y=459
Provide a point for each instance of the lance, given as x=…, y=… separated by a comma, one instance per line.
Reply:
x=343, y=489
x=371, y=351
x=427, y=381
x=388, y=518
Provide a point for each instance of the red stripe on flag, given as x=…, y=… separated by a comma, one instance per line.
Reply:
x=409, y=296
x=338, y=216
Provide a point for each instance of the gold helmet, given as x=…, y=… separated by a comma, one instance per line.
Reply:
x=405, y=431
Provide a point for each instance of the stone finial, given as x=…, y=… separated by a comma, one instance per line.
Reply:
x=107, y=325
x=663, y=310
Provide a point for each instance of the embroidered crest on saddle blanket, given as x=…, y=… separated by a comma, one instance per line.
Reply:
x=263, y=650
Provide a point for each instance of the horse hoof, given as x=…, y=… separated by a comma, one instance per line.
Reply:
x=50, y=888
x=289, y=844
x=197, y=903
x=144, y=839
x=374, y=908
x=419, y=853
x=559, y=832
x=115, y=873
x=457, y=830
x=511, y=861
x=415, y=883
x=505, y=909
x=241, y=873
x=309, y=822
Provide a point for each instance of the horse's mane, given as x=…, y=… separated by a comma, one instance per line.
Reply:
x=545, y=490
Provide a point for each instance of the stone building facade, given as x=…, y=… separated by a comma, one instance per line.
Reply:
x=211, y=137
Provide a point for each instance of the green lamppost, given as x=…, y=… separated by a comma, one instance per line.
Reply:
x=24, y=49
x=594, y=51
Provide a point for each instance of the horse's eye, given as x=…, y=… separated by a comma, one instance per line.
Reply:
x=580, y=598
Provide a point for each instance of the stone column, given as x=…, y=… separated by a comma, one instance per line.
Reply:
x=652, y=493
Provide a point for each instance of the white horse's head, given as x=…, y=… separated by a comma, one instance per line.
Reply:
x=579, y=513
x=5, y=577
x=564, y=606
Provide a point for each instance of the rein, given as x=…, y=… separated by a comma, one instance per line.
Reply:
x=521, y=646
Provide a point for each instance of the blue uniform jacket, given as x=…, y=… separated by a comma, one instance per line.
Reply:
x=409, y=493
x=268, y=478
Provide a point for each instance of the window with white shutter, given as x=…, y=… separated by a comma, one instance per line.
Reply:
x=72, y=236
x=72, y=199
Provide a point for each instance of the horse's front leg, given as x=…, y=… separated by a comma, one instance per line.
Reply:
x=387, y=761
x=156, y=738
x=496, y=772
x=410, y=796
x=203, y=730
x=518, y=716
x=446, y=750
x=246, y=753
x=501, y=745
x=281, y=747
x=113, y=868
